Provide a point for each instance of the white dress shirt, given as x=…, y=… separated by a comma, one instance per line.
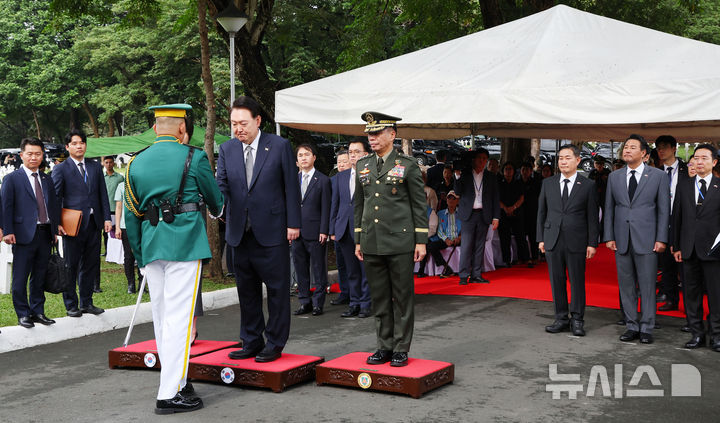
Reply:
x=638, y=173
x=29, y=173
x=707, y=179
x=572, y=179
x=478, y=187
x=352, y=182
x=673, y=180
x=254, y=146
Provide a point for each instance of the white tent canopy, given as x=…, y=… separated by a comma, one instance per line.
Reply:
x=561, y=73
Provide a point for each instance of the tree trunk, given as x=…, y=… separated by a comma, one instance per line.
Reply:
x=213, y=230
x=535, y=149
x=251, y=68
x=74, y=118
x=111, y=127
x=91, y=118
x=514, y=150
x=491, y=13
x=117, y=117
x=37, y=123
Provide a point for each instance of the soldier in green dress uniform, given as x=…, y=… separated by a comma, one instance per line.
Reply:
x=166, y=231
x=391, y=230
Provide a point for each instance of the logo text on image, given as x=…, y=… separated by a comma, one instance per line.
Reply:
x=685, y=381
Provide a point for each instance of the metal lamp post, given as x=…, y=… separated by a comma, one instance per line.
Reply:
x=232, y=20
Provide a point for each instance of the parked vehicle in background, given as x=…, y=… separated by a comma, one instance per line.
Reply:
x=424, y=156
x=53, y=150
x=453, y=148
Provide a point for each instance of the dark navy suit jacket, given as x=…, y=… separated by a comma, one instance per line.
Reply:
x=273, y=199
x=342, y=208
x=315, y=206
x=20, y=209
x=465, y=188
x=74, y=193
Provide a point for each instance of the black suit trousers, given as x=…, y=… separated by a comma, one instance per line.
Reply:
x=669, y=283
x=701, y=276
x=564, y=264
x=310, y=256
x=253, y=265
x=82, y=257
x=31, y=260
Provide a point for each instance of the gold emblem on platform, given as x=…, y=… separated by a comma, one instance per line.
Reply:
x=364, y=380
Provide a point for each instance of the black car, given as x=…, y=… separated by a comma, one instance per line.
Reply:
x=424, y=155
x=602, y=149
x=453, y=148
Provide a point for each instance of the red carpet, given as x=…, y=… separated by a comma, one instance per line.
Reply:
x=533, y=284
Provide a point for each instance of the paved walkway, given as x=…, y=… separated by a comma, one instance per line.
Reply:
x=501, y=353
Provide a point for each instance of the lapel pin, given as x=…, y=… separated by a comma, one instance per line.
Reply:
x=714, y=186
x=267, y=149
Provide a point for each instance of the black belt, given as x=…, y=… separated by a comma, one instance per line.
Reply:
x=183, y=208
x=43, y=226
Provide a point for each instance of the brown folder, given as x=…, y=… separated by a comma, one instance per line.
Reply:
x=70, y=221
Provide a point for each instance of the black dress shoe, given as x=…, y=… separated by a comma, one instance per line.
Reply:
x=178, y=404
x=97, y=290
x=685, y=329
x=715, y=345
x=669, y=305
x=557, y=327
x=188, y=391
x=695, y=342
x=463, y=281
x=447, y=272
x=380, y=357
x=577, y=327
x=41, y=318
x=352, y=311
x=340, y=301
x=420, y=275
x=479, y=279
x=131, y=289
x=621, y=322
x=629, y=335
x=26, y=322
x=73, y=312
x=661, y=298
x=245, y=353
x=92, y=310
x=646, y=338
x=303, y=309
x=364, y=312
x=399, y=359
x=317, y=311
x=267, y=355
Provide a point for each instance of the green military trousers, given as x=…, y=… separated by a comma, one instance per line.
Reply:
x=390, y=278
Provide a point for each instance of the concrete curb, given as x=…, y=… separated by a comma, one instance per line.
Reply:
x=16, y=337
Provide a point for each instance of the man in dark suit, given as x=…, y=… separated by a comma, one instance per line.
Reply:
x=435, y=172
x=669, y=293
x=637, y=215
x=256, y=172
x=310, y=249
x=567, y=232
x=80, y=185
x=341, y=231
x=695, y=226
x=33, y=214
x=479, y=208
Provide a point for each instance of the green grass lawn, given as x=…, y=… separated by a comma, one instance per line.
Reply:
x=114, y=286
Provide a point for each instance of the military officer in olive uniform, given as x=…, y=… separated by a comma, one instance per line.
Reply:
x=391, y=230
x=167, y=188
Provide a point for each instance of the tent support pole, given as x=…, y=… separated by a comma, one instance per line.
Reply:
x=277, y=129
